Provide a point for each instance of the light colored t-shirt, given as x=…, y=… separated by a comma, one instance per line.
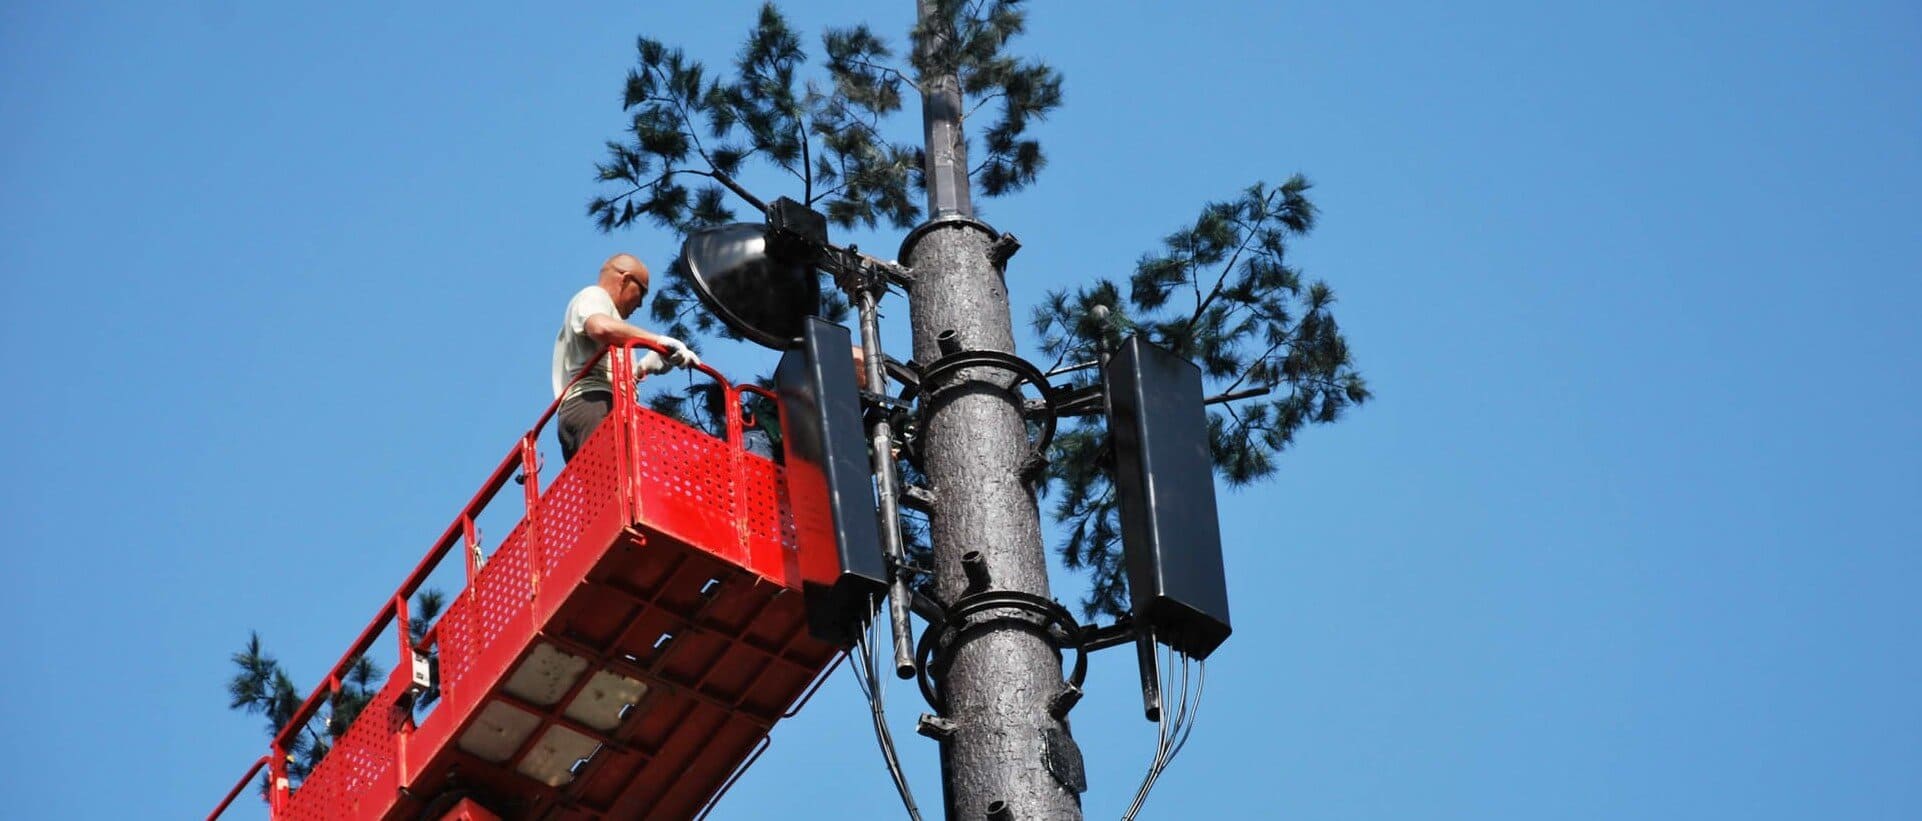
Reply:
x=573, y=347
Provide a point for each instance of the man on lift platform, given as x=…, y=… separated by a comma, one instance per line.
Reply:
x=596, y=318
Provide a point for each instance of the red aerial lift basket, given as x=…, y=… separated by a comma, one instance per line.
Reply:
x=622, y=654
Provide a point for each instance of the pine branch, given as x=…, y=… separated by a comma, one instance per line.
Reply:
x=999, y=95
x=686, y=122
x=889, y=70
x=1246, y=235
x=1244, y=376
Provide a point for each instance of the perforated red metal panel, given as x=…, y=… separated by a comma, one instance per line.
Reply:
x=358, y=778
x=504, y=587
x=763, y=508
x=685, y=483
x=584, y=495
x=455, y=637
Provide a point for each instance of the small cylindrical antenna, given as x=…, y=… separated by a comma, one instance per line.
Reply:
x=976, y=567
x=1150, y=672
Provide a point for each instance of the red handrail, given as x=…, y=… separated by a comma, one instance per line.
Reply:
x=235, y=792
x=522, y=456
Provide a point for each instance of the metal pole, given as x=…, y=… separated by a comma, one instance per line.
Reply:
x=947, y=147
x=997, y=684
x=881, y=455
x=1144, y=638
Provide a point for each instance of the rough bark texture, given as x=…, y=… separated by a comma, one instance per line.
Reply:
x=1001, y=678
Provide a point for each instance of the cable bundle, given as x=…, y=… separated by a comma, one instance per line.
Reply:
x=867, y=674
x=1172, y=730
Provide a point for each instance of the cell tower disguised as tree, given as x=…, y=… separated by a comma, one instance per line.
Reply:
x=1219, y=292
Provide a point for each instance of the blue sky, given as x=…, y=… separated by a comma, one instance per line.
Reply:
x=1629, y=531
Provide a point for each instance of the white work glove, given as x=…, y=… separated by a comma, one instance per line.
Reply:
x=679, y=354
x=648, y=363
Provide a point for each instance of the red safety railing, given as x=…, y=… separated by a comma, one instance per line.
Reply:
x=647, y=485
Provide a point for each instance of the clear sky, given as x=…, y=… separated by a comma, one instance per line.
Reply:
x=1630, y=531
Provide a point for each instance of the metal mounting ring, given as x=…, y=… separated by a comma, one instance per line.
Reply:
x=923, y=654
x=931, y=387
x=961, y=617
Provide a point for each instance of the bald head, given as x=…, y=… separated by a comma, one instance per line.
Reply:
x=625, y=279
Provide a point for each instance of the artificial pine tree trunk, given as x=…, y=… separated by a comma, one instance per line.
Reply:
x=1001, y=678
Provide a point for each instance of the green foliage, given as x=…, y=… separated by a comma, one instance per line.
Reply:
x=825, y=132
x=697, y=401
x=1221, y=293
x=428, y=605
x=260, y=686
x=916, y=537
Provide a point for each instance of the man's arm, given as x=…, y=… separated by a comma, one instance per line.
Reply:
x=610, y=331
